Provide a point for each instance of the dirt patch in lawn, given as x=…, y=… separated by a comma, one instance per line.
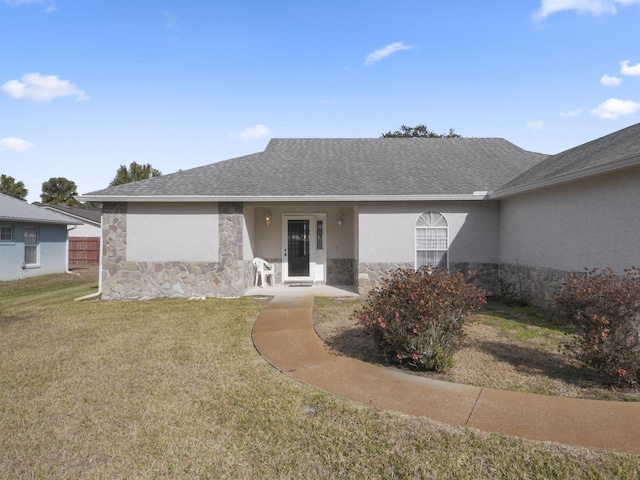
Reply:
x=518, y=349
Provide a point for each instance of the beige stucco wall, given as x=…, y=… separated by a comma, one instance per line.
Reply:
x=593, y=223
x=387, y=231
x=166, y=232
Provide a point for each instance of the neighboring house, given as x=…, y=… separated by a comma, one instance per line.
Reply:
x=345, y=211
x=33, y=241
x=84, y=239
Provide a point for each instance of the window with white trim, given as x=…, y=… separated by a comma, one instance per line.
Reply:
x=6, y=233
x=432, y=240
x=31, y=246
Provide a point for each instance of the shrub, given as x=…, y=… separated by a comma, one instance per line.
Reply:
x=509, y=296
x=604, y=308
x=416, y=316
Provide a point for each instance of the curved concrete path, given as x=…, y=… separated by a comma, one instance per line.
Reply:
x=283, y=334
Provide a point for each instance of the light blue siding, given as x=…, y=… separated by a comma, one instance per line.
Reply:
x=52, y=251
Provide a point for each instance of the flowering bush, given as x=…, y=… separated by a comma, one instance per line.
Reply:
x=416, y=316
x=604, y=308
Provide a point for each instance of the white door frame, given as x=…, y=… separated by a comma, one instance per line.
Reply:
x=317, y=247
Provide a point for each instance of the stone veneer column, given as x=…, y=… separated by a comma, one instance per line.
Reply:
x=114, y=245
x=235, y=272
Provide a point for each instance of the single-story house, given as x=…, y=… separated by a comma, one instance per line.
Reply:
x=84, y=239
x=346, y=211
x=33, y=241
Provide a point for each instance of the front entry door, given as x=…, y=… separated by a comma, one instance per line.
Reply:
x=303, y=246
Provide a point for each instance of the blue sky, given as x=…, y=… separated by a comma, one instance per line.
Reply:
x=86, y=86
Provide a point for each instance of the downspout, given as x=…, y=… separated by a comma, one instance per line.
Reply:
x=99, y=292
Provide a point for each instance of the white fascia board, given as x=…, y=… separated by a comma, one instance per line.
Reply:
x=325, y=198
x=568, y=177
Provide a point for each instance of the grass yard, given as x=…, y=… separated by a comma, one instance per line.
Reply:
x=175, y=389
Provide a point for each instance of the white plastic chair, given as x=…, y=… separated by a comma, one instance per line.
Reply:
x=264, y=269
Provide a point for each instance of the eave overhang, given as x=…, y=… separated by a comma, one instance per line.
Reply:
x=581, y=174
x=476, y=196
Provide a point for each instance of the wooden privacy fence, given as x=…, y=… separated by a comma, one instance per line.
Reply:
x=84, y=250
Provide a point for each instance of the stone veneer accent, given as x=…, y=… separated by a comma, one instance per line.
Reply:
x=342, y=271
x=537, y=284
x=229, y=276
x=485, y=277
x=371, y=274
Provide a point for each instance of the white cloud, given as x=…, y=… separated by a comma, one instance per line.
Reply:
x=42, y=88
x=615, y=108
x=385, y=52
x=594, y=7
x=631, y=70
x=254, y=133
x=50, y=4
x=15, y=144
x=571, y=113
x=609, y=81
x=170, y=20
x=537, y=125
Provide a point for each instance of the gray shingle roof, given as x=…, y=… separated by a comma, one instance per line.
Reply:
x=83, y=214
x=348, y=167
x=602, y=152
x=12, y=209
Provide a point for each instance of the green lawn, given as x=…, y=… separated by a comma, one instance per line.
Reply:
x=175, y=389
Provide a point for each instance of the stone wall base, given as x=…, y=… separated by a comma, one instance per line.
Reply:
x=536, y=285
x=371, y=274
x=140, y=280
x=342, y=271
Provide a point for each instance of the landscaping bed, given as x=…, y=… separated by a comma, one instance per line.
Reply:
x=509, y=348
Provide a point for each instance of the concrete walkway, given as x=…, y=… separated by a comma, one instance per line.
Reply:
x=284, y=336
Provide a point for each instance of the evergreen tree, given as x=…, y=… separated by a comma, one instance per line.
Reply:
x=9, y=186
x=134, y=173
x=59, y=191
x=419, y=131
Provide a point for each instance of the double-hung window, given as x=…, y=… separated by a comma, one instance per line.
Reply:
x=432, y=240
x=31, y=246
x=6, y=233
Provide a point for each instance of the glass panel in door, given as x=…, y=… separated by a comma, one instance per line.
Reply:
x=298, y=247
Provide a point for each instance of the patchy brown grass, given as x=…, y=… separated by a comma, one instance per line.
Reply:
x=175, y=389
x=518, y=349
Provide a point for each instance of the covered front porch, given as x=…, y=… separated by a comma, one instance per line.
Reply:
x=309, y=244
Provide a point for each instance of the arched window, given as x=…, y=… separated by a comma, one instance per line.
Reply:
x=432, y=240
